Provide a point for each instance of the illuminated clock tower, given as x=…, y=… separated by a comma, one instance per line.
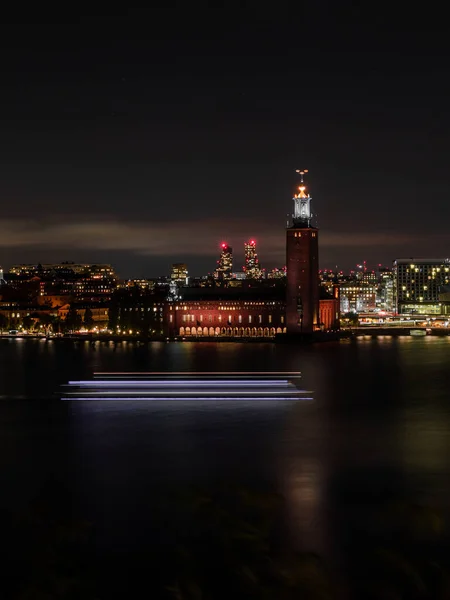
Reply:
x=302, y=261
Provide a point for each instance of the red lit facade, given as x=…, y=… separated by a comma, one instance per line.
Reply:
x=227, y=318
x=329, y=314
x=238, y=318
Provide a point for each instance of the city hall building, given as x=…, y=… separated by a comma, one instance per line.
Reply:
x=259, y=313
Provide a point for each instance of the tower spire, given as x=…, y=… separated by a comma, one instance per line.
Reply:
x=302, y=203
x=301, y=173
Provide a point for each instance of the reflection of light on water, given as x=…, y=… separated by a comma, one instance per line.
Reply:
x=304, y=490
x=161, y=397
x=304, y=470
x=305, y=499
x=172, y=374
x=192, y=386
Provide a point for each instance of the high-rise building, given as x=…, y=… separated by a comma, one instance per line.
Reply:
x=417, y=284
x=224, y=267
x=302, y=259
x=179, y=274
x=252, y=268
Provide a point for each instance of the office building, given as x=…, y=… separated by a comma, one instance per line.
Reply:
x=357, y=296
x=418, y=283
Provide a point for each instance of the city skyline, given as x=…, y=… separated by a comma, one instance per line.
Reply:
x=352, y=269
x=141, y=150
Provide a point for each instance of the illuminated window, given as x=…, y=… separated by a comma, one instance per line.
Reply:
x=260, y=318
x=171, y=318
x=249, y=318
x=240, y=318
x=270, y=318
x=210, y=318
x=201, y=318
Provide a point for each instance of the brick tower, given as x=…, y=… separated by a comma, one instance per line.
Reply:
x=302, y=261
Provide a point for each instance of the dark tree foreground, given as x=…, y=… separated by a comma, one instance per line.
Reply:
x=219, y=544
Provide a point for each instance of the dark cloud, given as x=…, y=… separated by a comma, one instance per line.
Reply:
x=158, y=243
x=167, y=135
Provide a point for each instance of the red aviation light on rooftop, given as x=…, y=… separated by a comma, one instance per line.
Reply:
x=252, y=243
x=224, y=245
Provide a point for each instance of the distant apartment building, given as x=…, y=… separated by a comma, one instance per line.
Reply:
x=83, y=282
x=179, y=274
x=357, y=296
x=418, y=283
x=64, y=269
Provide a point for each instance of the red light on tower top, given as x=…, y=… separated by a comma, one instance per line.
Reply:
x=224, y=245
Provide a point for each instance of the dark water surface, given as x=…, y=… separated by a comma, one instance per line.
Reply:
x=379, y=425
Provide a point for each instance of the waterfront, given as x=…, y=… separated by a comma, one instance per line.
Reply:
x=379, y=427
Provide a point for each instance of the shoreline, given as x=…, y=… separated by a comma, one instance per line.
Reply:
x=319, y=337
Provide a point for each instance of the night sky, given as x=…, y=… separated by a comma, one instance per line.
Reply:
x=143, y=139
